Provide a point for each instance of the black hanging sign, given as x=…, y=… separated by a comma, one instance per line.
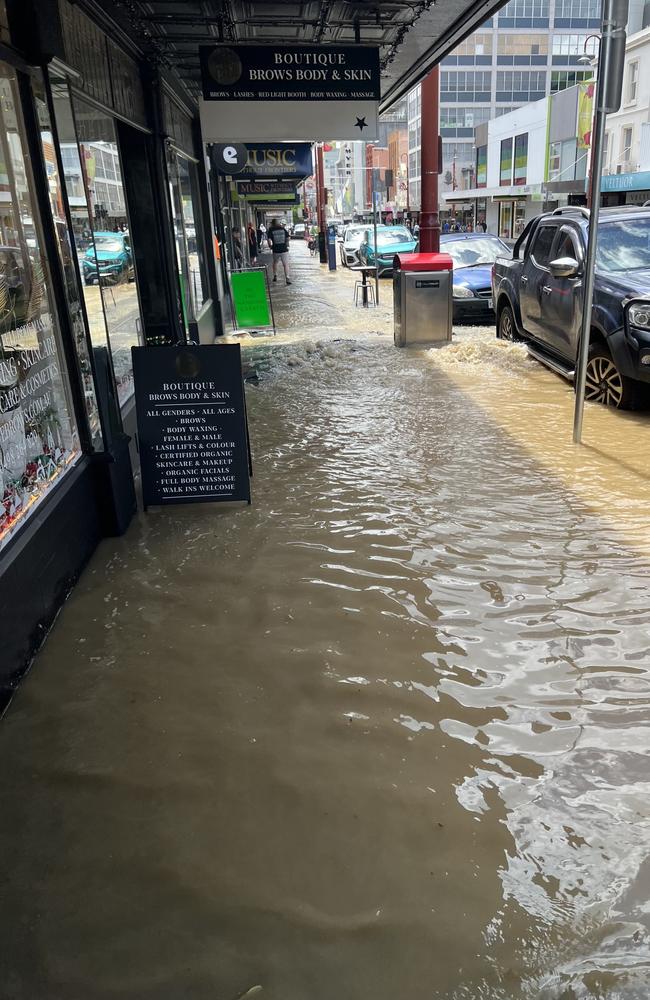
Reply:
x=192, y=428
x=290, y=72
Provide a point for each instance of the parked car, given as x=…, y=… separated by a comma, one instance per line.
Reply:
x=108, y=258
x=538, y=298
x=390, y=240
x=352, y=240
x=298, y=232
x=473, y=255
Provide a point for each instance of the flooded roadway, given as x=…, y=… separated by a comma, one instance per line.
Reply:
x=384, y=734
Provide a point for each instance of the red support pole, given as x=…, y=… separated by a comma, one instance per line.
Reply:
x=430, y=127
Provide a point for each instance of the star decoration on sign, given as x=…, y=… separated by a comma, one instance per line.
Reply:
x=361, y=124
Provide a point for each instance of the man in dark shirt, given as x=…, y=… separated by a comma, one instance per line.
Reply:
x=278, y=237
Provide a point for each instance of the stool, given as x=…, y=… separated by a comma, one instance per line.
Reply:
x=370, y=293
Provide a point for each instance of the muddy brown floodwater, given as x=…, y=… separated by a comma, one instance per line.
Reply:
x=384, y=734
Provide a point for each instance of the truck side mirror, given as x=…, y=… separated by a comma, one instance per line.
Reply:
x=564, y=267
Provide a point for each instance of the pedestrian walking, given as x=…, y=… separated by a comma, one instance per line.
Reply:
x=261, y=236
x=279, y=241
x=237, y=248
x=252, y=244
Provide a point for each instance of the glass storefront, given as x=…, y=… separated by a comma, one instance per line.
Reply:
x=66, y=251
x=95, y=190
x=183, y=189
x=38, y=433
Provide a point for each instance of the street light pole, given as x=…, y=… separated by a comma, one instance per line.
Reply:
x=611, y=63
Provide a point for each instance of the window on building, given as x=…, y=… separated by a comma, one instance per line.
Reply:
x=504, y=110
x=38, y=434
x=505, y=171
x=575, y=13
x=524, y=9
x=481, y=166
x=626, y=146
x=632, y=82
x=562, y=161
x=574, y=45
x=478, y=44
x=562, y=79
x=461, y=117
x=516, y=44
x=521, y=158
x=554, y=158
x=541, y=249
x=108, y=267
x=465, y=85
x=606, y=148
x=521, y=85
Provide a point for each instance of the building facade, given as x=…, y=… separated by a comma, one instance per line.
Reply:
x=103, y=195
x=626, y=157
x=530, y=49
x=538, y=157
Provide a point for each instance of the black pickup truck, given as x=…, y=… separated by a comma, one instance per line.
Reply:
x=538, y=298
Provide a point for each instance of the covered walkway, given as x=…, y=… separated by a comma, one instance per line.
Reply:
x=383, y=734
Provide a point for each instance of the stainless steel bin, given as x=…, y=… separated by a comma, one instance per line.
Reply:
x=422, y=298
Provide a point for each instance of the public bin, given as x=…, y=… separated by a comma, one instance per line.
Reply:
x=422, y=298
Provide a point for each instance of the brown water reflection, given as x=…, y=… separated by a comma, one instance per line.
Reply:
x=384, y=734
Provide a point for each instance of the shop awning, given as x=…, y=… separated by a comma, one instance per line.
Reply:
x=412, y=35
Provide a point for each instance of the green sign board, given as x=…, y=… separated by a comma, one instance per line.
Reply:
x=250, y=299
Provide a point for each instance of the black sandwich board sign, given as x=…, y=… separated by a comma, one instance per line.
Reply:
x=192, y=428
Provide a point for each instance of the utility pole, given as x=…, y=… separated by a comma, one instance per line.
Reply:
x=611, y=63
x=430, y=165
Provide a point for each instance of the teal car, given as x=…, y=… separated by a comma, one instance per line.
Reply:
x=390, y=240
x=108, y=259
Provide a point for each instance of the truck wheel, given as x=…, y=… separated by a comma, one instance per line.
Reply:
x=506, y=329
x=605, y=384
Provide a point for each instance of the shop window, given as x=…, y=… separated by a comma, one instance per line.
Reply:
x=67, y=252
x=104, y=243
x=183, y=183
x=38, y=434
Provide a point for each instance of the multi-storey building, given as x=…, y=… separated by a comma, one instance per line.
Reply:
x=531, y=48
x=626, y=158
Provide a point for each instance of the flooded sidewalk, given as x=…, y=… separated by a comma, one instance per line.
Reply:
x=383, y=734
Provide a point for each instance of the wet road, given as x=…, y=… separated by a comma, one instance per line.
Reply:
x=383, y=734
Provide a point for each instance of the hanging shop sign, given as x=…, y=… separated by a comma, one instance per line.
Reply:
x=250, y=299
x=272, y=188
x=192, y=430
x=283, y=160
x=258, y=160
x=289, y=92
x=229, y=157
x=275, y=199
x=290, y=72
